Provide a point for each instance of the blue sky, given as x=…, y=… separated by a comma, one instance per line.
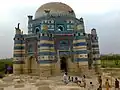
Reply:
x=104, y=15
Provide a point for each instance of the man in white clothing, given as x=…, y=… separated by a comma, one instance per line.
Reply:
x=65, y=78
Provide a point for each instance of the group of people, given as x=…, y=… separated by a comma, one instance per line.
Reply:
x=82, y=82
x=107, y=84
x=67, y=79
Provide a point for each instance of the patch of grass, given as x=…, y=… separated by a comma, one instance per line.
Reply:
x=110, y=63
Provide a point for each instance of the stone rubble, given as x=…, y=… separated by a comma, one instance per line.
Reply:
x=26, y=82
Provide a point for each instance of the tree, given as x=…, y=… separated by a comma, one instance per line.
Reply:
x=116, y=59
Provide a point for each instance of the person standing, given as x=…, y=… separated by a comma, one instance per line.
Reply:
x=76, y=80
x=100, y=80
x=6, y=65
x=9, y=69
x=72, y=79
x=91, y=87
x=116, y=84
x=65, y=78
x=84, y=81
x=99, y=88
x=107, y=85
x=69, y=79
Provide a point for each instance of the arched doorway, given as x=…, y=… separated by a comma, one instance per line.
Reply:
x=32, y=65
x=63, y=64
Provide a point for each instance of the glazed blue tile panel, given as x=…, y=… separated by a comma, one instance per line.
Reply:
x=46, y=61
x=19, y=47
x=45, y=38
x=46, y=45
x=78, y=38
x=47, y=53
x=17, y=55
x=17, y=42
x=80, y=59
x=64, y=32
x=97, y=58
x=30, y=54
x=23, y=41
x=64, y=53
x=51, y=31
x=80, y=52
x=18, y=62
x=80, y=44
x=63, y=48
x=18, y=35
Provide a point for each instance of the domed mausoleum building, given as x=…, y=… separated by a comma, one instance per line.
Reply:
x=56, y=42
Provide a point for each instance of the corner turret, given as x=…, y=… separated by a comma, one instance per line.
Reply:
x=95, y=50
x=19, y=51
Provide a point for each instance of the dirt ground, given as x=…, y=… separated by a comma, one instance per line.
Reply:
x=27, y=82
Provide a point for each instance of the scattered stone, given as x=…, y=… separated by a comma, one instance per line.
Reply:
x=10, y=74
x=39, y=83
x=7, y=79
x=72, y=84
x=60, y=83
x=1, y=88
x=16, y=77
x=44, y=88
x=36, y=77
x=4, y=85
x=43, y=78
x=31, y=81
x=19, y=85
x=74, y=89
x=18, y=80
x=1, y=75
x=1, y=81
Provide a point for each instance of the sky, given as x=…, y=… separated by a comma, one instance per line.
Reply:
x=104, y=15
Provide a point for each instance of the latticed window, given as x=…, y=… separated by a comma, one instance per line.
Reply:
x=43, y=34
x=63, y=43
x=78, y=34
x=52, y=21
x=30, y=48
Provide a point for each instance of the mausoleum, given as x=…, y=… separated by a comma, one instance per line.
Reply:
x=56, y=42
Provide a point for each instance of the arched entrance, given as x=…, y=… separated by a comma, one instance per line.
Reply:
x=63, y=64
x=32, y=64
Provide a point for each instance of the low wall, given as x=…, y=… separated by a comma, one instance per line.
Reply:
x=110, y=69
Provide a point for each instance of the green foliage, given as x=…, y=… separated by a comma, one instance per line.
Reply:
x=110, y=61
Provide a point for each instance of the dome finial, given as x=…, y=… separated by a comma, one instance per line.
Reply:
x=18, y=26
x=30, y=17
x=81, y=19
